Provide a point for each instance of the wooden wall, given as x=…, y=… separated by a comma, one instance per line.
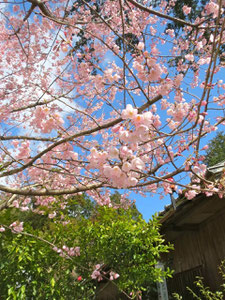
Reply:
x=204, y=247
x=199, y=252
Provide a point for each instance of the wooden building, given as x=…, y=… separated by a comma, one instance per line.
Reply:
x=197, y=230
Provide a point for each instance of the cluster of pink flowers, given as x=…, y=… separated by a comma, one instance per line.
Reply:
x=16, y=227
x=23, y=150
x=99, y=274
x=23, y=206
x=179, y=111
x=153, y=73
x=72, y=251
x=96, y=274
x=113, y=275
x=186, y=9
x=212, y=8
x=123, y=166
x=45, y=120
x=190, y=194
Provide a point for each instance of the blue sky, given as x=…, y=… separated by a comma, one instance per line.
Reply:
x=150, y=204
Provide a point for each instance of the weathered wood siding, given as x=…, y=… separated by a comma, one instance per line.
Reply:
x=198, y=252
x=205, y=247
x=176, y=284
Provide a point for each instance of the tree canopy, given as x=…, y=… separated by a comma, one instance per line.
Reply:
x=54, y=260
x=113, y=112
x=216, y=150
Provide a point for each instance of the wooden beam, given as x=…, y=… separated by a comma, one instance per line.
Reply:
x=184, y=227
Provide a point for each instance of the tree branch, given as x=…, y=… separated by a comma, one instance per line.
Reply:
x=161, y=15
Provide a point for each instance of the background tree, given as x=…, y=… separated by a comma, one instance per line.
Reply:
x=216, y=151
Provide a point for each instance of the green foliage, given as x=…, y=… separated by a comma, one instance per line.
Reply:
x=120, y=239
x=122, y=243
x=80, y=206
x=30, y=269
x=204, y=292
x=216, y=151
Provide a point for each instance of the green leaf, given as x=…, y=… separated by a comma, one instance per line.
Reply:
x=52, y=282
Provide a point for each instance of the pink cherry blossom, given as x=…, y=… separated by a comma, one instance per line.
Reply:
x=205, y=147
x=190, y=57
x=52, y=215
x=96, y=274
x=129, y=112
x=140, y=46
x=2, y=229
x=212, y=8
x=155, y=73
x=186, y=9
x=116, y=172
x=137, y=164
x=132, y=181
x=113, y=275
x=170, y=32
x=113, y=152
x=190, y=194
x=126, y=166
x=16, y=203
x=16, y=227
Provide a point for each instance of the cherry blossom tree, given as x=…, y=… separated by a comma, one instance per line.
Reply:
x=104, y=117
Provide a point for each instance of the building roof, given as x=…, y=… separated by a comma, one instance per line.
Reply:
x=169, y=214
x=216, y=169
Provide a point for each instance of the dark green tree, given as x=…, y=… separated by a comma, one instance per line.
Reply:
x=216, y=151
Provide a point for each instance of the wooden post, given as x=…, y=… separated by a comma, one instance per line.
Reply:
x=162, y=286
